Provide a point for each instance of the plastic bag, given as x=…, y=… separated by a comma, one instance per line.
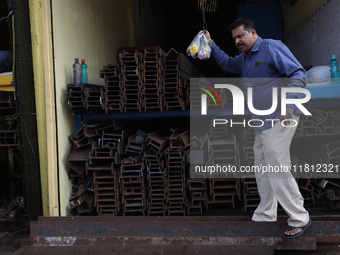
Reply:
x=199, y=47
x=204, y=50
x=192, y=50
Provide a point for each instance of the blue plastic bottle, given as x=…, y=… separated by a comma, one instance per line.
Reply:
x=83, y=72
x=335, y=75
x=77, y=73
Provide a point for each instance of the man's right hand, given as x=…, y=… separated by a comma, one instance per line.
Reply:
x=207, y=35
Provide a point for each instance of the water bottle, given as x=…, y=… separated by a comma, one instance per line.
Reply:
x=77, y=73
x=335, y=75
x=83, y=72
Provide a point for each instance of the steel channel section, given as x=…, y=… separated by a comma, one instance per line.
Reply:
x=155, y=227
x=150, y=250
x=178, y=229
x=7, y=103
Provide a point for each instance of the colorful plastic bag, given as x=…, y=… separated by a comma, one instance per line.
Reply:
x=204, y=50
x=192, y=50
x=199, y=47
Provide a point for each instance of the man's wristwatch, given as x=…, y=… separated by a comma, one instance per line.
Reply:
x=210, y=42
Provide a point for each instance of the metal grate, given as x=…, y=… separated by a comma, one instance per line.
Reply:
x=4, y=179
x=26, y=111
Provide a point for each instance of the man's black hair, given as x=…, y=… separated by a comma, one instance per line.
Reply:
x=246, y=22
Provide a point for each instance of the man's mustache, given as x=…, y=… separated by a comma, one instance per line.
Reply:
x=240, y=44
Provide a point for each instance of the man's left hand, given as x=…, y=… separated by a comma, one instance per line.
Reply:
x=288, y=116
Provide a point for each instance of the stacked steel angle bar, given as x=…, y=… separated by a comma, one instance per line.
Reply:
x=246, y=138
x=320, y=123
x=223, y=151
x=119, y=169
x=317, y=173
x=144, y=80
x=197, y=183
x=179, y=143
x=85, y=99
x=152, y=79
x=155, y=156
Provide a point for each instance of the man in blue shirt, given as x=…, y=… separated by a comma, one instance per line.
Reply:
x=270, y=61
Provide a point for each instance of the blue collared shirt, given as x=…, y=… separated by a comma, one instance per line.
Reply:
x=268, y=59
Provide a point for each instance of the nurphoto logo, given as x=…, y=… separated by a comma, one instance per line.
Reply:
x=238, y=99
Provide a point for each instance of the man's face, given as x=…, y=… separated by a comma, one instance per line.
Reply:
x=244, y=40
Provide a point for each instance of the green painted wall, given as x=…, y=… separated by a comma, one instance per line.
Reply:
x=93, y=30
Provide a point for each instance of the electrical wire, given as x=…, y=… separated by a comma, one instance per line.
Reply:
x=6, y=16
x=205, y=26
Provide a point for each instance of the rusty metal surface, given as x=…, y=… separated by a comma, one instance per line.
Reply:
x=7, y=103
x=113, y=92
x=147, y=249
x=322, y=231
x=131, y=80
x=145, y=79
x=177, y=70
x=107, y=194
x=177, y=196
x=234, y=243
x=9, y=135
x=78, y=154
x=84, y=99
x=153, y=178
x=251, y=198
x=197, y=196
x=320, y=123
x=321, y=218
x=158, y=139
x=152, y=77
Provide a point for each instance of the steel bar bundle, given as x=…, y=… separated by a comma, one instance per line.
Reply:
x=107, y=193
x=75, y=98
x=7, y=103
x=227, y=98
x=320, y=123
x=197, y=196
x=93, y=98
x=86, y=98
x=152, y=79
x=306, y=191
x=177, y=69
x=175, y=172
x=82, y=197
x=246, y=138
x=155, y=162
x=113, y=94
x=251, y=198
x=9, y=135
x=223, y=154
x=214, y=103
x=130, y=68
x=157, y=181
x=194, y=94
x=133, y=186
